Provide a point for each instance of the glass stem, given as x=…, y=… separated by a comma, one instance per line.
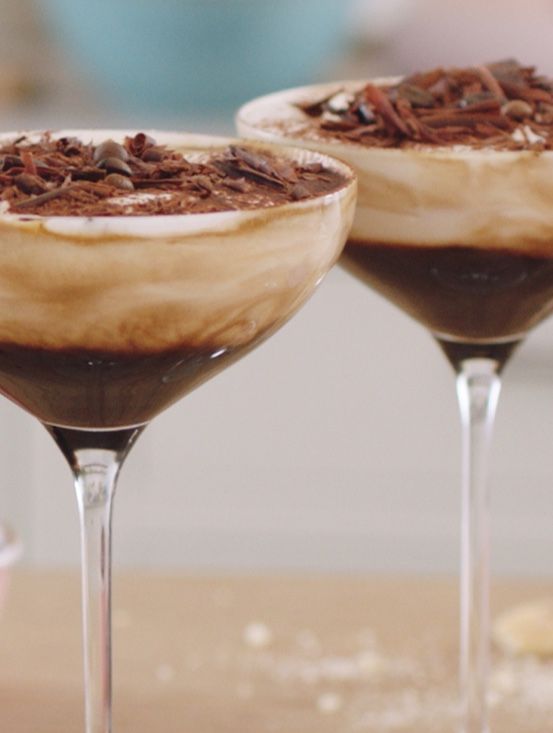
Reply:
x=478, y=387
x=95, y=486
x=95, y=471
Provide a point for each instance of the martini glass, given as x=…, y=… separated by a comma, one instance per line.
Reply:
x=106, y=321
x=461, y=240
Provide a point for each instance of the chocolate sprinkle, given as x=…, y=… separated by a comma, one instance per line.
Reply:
x=67, y=177
x=502, y=105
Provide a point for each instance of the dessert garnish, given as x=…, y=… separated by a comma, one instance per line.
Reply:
x=502, y=105
x=67, y=177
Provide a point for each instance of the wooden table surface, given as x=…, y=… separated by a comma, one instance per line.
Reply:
x=259, y=654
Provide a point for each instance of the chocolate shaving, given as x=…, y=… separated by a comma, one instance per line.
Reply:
x=480, y=102
x=240, y=170
x=507, y=70
x=67, y=177
x=490, y=82
x=468, y=120
x=339, y=125
x=416, y=96
x=476, y=106
x=139, y=143
x=528, y=94
x=28, y=163
x=42, y=199
x=255, y=167
x=384, y=106
x=253, y=160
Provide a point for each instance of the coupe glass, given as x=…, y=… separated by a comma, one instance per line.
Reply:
x=107, y=321
x=461, y=240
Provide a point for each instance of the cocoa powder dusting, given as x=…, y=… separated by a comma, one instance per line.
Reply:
x=502, y=105
x=69, y=177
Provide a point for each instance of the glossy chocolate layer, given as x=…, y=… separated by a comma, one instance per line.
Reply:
x=84, y=388
x=463, y=293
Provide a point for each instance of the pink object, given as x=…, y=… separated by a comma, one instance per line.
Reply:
x=464, y=32
x=10, y=550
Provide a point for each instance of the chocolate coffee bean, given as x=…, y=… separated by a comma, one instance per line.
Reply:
x=152, y=155
x=110, y=149
x=28, y=183
x=119, y=181
x=115, y=165
x=517, y=109
x=10, y=161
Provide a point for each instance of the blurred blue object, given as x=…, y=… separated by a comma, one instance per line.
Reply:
x=194, y=55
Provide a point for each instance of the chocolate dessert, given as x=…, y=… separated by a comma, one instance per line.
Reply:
x=454, y=221
x=132, y=270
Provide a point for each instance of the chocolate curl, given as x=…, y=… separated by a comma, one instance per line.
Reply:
x=28, y=163
x=490, y=82
x=382, y=104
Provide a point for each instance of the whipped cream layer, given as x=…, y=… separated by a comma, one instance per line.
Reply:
x=152, y=283
x=423, y=195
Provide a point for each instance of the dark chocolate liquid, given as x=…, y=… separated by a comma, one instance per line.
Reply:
x=84, y=389
x=477, y=302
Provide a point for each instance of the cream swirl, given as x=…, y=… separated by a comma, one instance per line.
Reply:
x=424, y=195
x=151, y=283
